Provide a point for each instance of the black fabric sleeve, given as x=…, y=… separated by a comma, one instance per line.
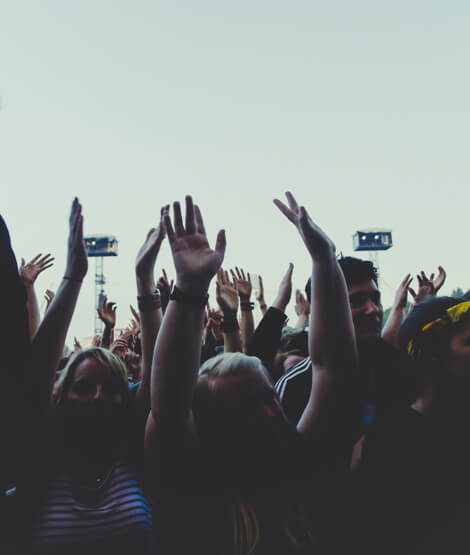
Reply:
x=265, y=341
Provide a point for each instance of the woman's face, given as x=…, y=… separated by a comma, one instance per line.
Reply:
x=459, y=352
x=92, y=382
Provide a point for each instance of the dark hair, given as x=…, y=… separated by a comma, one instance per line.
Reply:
x=293, y=339
x=355, y=271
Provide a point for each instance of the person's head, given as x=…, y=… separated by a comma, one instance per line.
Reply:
x=436, y=334
x=92, y=393
x=235, y=406
x=364, y=296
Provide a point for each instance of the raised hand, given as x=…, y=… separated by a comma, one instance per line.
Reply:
x=302, y=306
x=226, y=292
x=76, y=345
x=401, y=296
x=77, y=261
x=147, y=256
x=439, y=280
x=107, y=313
x=316, y=241
x=49, y=296
x=30, y=271
x=285, y=290
x=425, y=289
x=96, y=341
x=195, y=262
x=260, y=295
x=242, y=283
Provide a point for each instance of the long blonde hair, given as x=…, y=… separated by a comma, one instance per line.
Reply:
x=244, y=515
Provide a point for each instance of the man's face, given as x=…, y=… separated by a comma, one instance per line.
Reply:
x=366, y=309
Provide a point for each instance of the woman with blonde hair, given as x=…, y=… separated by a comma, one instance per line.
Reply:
x=231, y=474
x=80, y=490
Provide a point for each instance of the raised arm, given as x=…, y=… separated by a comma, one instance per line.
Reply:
x=107, y=314
x=149, y=304
x=29, y=273
x=395, y=318
x=49, y=341
x=247, y=324
x=178, y=347
x=227, y=299
x=332, y=344
x=265, y=341
x=302, y=309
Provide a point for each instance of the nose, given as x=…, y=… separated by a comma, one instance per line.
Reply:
x=99, y=392
x=371, y=308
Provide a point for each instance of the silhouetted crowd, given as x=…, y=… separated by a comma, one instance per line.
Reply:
x=197, y=429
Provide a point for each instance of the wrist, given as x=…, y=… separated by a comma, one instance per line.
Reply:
x=145, y=287
x=192, y=287
x=244, y=298
x=193, y=297
x=280, y=305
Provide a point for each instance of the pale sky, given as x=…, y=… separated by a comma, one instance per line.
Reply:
x=360, y=108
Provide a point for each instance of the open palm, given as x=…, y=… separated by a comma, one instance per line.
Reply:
x=195, y=262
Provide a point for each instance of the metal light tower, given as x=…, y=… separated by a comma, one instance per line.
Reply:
x=373, y=241
x=98, y=247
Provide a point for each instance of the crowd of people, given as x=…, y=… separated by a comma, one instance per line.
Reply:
x=199, y=430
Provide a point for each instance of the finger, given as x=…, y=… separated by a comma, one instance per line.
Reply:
x=286, y=211
x=412, y=292
x=149, y=234
x=165, y=277
x=199, y=221
x=35, y=259
x=405, y=279
x=234, y=277
x=292, y=202
x=249, y=278
x=178, y=219
x=190, y=218
x=169, y=227
x=290, y=269
x=221, y=243
x=23, y=263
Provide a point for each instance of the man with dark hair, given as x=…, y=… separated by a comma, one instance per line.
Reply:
x=387, y=378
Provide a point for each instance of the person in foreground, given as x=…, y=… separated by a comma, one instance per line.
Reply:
x=219, y=450
x=80, y=491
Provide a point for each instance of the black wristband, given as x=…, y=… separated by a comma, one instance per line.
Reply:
x=73, y=279
x=149, y=303
x=186, y=298
x=247, y=305
x=229, y=322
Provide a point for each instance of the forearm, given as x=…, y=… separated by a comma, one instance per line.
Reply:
x=34, y=316
x=150, y=323
x=107, y=337
x=175, y=363
x=247, y=327
x=265, y=340
x=331, y=323
x=302, y=321
x=392, y=326
x=230, y=329
x=332, y=347
x=48, y=343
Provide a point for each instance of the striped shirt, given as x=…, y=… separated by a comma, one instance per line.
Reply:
x=294, y=388
x=120, y=517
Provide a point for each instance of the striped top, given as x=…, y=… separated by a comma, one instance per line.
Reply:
x=302, y=367
x=119, y=519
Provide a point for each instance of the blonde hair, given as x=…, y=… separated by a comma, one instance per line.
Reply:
x=113, y=364
x=246, y=529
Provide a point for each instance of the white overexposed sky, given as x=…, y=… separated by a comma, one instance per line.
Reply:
x=360, y=108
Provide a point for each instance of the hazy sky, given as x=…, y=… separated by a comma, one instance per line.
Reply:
x=360, y=108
